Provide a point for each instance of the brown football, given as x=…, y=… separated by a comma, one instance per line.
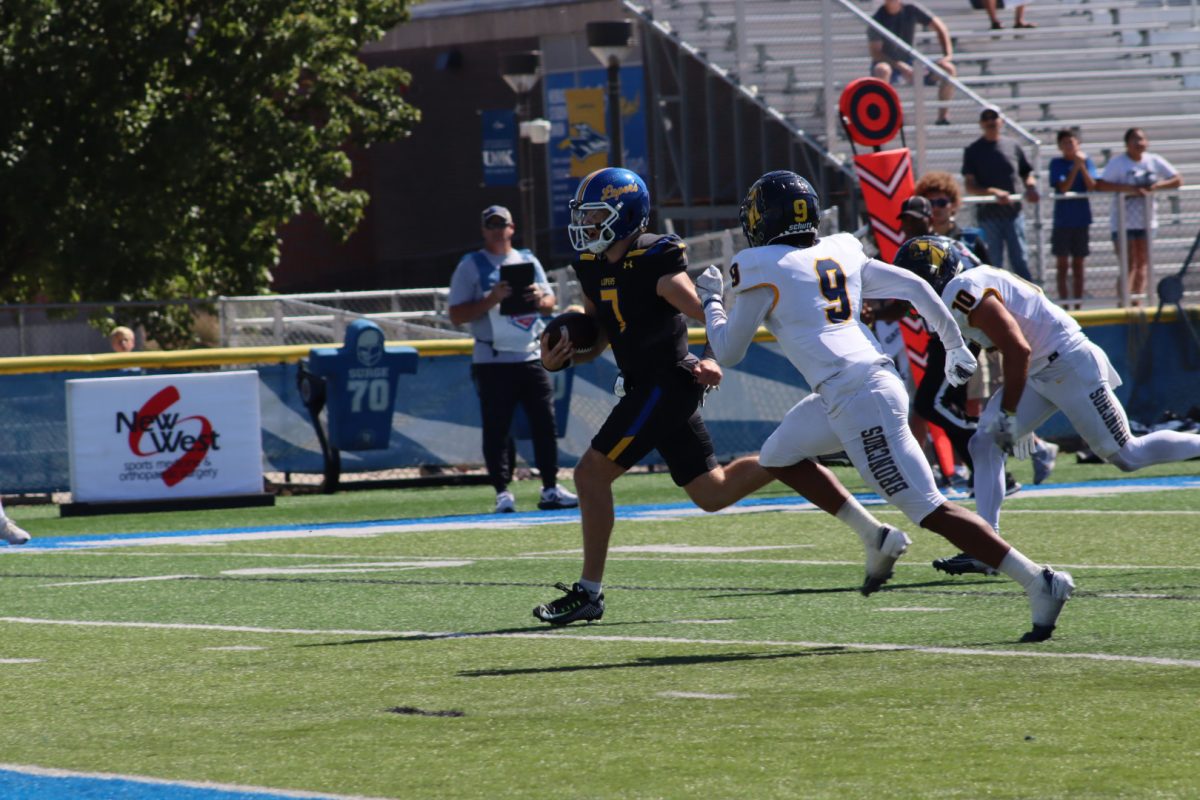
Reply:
x=581, y=330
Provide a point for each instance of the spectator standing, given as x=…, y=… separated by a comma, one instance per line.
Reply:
x=893, y=64
x=122, y=339
x=1138, y=174
x=994, y=165
x=1074, y=172
x=506, y=366
x=945, y=200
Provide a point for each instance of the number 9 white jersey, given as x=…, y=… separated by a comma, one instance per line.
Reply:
x=818, y=294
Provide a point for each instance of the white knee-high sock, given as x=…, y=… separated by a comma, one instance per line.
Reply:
x=863, y=522
x=1159, y=447
x=1016, y=566
x=988, y=476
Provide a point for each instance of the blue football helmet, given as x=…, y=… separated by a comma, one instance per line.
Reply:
x=779, y=204
x=937, y=259
x=609, y=205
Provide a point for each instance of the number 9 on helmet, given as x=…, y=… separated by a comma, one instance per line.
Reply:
x=779, y=204
x=609, y=205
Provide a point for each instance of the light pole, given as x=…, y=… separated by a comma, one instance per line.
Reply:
x=521, y=72
x=610, y=44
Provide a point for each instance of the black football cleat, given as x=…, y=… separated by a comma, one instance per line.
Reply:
x=577, y=604
x=963, y=564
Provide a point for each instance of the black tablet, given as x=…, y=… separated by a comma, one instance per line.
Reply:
x=520, y=277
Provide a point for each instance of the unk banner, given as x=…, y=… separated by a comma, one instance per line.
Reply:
x=499, y=148
x=153, y=438
x=576, y=107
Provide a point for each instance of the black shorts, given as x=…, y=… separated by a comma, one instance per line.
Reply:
x=660, y=415
x=1069, y=242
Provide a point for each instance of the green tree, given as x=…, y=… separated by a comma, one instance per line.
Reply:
x=151, y=150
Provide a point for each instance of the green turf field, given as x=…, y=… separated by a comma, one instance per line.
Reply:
x=742, y=663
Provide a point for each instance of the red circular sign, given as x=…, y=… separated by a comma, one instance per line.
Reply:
x=871, y=110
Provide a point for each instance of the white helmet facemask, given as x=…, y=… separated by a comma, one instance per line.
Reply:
x=588, y=230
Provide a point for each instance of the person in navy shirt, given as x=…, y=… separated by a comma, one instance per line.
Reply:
x=1073, y=171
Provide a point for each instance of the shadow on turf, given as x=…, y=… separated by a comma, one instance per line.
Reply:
x=659, y=661
x=893, y=585
x=433, y=637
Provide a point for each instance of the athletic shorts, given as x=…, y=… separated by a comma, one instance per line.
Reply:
x=871, y=425
x=931, y=79
x=1069, y=242
x=660, y=415
x=1079, y=383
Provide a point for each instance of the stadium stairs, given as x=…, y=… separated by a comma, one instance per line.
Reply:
x=1097, y=66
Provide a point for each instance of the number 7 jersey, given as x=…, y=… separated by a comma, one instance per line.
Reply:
x=818, y=293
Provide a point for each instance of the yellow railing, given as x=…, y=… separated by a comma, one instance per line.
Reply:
x=226, y=356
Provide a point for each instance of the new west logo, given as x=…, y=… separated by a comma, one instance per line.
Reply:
x=164, y=434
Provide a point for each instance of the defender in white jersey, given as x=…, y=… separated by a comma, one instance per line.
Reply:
x=1049, y=365
x=808, y=293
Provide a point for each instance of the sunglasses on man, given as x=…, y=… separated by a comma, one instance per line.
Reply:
x=495, y=224
x=939, y=202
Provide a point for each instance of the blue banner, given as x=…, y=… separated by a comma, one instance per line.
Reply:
x=499, y=148
x=576, y=105
x=440, y=424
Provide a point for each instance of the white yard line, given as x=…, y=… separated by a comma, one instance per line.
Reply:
x=552, y=635
x=49, y=772
x=120, y=580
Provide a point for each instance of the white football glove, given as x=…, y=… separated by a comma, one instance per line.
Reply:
x=710, y=284
x=960, y=365
x=1003, y=431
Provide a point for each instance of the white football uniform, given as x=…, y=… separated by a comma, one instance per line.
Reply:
x=1067, y=372
x=809, y=298
x=1046, y=327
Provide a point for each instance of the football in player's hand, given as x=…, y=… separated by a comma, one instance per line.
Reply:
x=581, y=330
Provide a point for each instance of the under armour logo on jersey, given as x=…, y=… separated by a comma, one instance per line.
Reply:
x=628, y=264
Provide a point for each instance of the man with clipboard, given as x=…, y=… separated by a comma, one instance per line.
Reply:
x=502, y=293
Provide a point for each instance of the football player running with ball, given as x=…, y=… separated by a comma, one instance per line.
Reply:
x=636, y=288
x=808, y=292
x=1049, y=365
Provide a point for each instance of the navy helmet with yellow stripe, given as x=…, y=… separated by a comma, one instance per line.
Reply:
x=779, y=204
x=610, y=204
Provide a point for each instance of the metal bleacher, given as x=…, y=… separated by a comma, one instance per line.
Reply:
x=1100, y=66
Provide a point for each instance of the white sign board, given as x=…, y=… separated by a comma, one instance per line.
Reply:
x=164, y=437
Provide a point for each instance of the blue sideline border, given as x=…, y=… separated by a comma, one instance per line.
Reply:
x=16, y=784
x=635, y=512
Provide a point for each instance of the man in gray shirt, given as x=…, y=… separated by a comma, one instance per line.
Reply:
x=506, y=364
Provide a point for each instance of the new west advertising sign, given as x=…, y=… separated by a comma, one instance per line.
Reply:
x=164, y=437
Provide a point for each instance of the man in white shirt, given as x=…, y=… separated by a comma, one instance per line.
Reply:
x=1049, y=365
x=808, y=292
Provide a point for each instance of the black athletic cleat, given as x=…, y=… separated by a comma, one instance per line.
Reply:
x=575, y=606
x=1040, y=633
x=963, y=564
